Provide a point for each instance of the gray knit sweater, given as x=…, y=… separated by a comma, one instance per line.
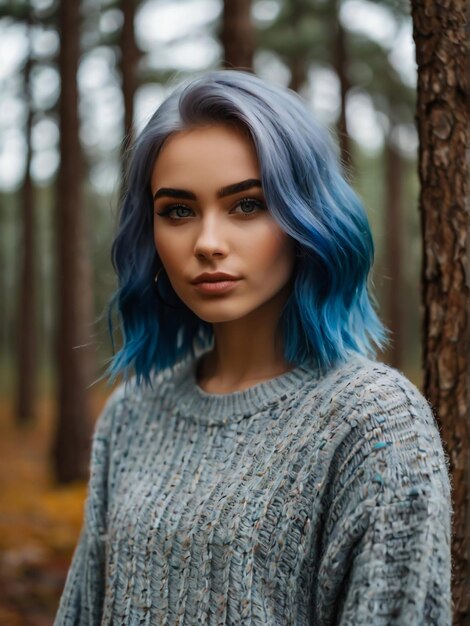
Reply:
x=303, y=500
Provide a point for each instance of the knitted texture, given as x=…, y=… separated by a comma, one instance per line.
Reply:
x=304, y=500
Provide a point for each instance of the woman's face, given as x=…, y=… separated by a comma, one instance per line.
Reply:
x=210, y=216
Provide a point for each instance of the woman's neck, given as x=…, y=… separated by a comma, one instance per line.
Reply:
x=239, y=371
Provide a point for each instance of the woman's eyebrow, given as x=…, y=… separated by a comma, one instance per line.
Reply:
x=243, y=185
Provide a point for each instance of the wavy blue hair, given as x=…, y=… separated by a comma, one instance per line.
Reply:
x=329, y=313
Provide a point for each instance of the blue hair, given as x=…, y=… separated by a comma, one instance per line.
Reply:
x=329, y=313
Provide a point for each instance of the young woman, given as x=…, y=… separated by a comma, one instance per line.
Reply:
x=260, y=466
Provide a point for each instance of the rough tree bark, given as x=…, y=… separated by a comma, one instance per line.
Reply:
x=74, y=294
x=237, y=35
x=442, y=118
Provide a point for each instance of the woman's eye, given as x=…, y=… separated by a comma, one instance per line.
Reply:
x=175, y=212
x=250, y=205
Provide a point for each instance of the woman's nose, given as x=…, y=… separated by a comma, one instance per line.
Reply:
x=211, y=238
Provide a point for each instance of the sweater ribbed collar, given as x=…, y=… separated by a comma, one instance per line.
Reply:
x=212, y=408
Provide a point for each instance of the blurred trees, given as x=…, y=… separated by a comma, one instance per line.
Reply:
x=130, y=55
x=24, y=322
x=74, y=294
x=307, y=32
x=444, y=170
x=237, y=35
x=26, y=331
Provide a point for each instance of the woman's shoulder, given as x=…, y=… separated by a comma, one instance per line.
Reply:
x=378, y=408
x=365, y=399
x=131, y=396
x=382, y=432
x=363, y=380
x=132, y=390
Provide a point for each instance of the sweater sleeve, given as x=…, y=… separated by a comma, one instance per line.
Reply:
x=385, y=557
x=82, y=597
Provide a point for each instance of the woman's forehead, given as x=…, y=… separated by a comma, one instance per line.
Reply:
x=221, y=152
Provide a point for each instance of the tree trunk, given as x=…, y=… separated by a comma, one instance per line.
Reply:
x=25, y=330
x=298, y=73
x=238, y=35
x=394, y=252
x=297, y=61
x=340, y=64
x=72, y=441
x=443, y=90
x=129, y=59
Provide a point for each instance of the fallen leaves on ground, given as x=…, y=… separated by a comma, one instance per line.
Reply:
x=39, y=521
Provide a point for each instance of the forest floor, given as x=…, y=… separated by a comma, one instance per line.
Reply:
x=39, y=521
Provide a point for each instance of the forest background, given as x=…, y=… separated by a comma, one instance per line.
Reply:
x=61, y=161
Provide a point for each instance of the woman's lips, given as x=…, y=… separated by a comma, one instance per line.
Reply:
x=219, y=286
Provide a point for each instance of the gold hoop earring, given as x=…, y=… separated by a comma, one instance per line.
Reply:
x=159, y=296
x=157, y=274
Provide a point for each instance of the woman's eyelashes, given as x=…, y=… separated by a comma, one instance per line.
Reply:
x=248, y=206
x=174, y=207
